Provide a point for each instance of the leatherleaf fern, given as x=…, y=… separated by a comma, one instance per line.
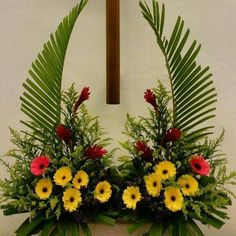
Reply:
x=192, y=88
x=41, y=100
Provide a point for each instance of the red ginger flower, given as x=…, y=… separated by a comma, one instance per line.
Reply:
x=150, y=97
x=84, y=95
x=146, y=151
x=95, y=152
x=200, y=165
x=172, y=134
x=39, y=165
x=63, y=133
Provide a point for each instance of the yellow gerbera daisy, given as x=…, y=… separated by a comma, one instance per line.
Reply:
x=165, y=169
x=81, y=179
x=62, y=176
x=153, y=184
x=173, y=199
x=188, y=184
x=131, y=196
x=71, y=199
x=103, y=191
x=43, y=188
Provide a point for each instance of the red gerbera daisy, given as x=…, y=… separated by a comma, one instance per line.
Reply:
x=151, y=98
x=146, y=152
x=84, y=95
x=95, y=152
x=39, y=165
x=200, y=165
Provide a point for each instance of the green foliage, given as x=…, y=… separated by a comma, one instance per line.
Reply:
x=41, y=101
x=192, y=88
x=213, y=197
x=193, y=96
x=18, y=191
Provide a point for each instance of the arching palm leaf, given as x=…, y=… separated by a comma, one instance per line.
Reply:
x=192, y=88
x=41, y=100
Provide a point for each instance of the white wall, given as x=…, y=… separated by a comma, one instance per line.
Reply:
x=26, y=24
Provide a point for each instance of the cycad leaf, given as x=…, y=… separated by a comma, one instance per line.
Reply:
x=41, y=100
x=192, y=88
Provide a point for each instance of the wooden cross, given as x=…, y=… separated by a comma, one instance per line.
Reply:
x=113, y=51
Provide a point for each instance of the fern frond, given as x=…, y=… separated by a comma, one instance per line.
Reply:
x=192, y=88
x=41, y=100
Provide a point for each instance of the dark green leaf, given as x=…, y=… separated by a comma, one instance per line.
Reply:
x=28, y=226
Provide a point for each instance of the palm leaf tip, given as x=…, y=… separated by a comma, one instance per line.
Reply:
x=193, y=91
x=41, y=100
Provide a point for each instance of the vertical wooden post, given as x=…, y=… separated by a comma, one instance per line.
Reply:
x=113, y=51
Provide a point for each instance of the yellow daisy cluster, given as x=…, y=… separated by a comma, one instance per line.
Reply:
x=43, y=188
x=187, y=185
x=103, y=191
x=131, y=197
x=153, y=184
x=173, y=199
x=165, y=170
x=72, y=196
x=71, y=199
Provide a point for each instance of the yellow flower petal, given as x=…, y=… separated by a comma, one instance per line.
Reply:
x=81, y=179
x=62, y=176
x=165, y=170
x=103, y=191
x=153, y=184
x=188, y=185
x=43, y=188
x=173, y=199
x=71, y=199
x=131, y=196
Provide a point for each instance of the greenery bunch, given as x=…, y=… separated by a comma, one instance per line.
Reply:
x=174, y=175
x=204, y=199
x=79, y=165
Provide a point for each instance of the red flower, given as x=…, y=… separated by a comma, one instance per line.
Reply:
x=63, y=133
x=200, y=165
x=151, y=98
x=144, y=150
x=39, y=165
x=84, y=95
x=172, y=134
x=95, y=152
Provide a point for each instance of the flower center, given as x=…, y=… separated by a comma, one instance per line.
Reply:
x=133, y=197
x=165, y=172
x=197, y=166
x=41, y=166
x=101, y=191
x=187, y=186
x=72, y=199
x=79, y=180
x=173, y=198
x=154, y=184
x=63, y=177
x=45, y=189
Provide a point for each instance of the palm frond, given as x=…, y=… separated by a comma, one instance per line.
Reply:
x=41, y=100
x=193, y=92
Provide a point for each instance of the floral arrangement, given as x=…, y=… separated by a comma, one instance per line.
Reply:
x=63, y=175
x=170, y=179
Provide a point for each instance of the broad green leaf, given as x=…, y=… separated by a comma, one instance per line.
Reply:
x=48, y=228
x=156, y=230
x=132, y=228
x=28, y=226
x=192, y=88
x=86, y=230
x=41, y=100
